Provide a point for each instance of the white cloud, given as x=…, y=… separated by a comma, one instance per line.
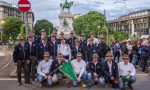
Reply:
x=50, y=9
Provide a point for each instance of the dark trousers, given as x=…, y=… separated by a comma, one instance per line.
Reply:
x=112, y=82
x=23, y=65
x=144, y=63
x=32, y=66
x=117, y=55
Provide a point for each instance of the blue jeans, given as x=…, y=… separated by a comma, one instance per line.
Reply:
x=41, y=79
x=131, y=81
x=90, y=80
x=75, y=82
x=134, y=59
x=102, y=62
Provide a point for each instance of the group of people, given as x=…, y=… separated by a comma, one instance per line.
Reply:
x=138, y=51
x=92, y=59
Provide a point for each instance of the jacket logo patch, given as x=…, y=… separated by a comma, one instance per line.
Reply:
x=20, y=49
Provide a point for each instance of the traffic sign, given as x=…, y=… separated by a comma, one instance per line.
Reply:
x=24, y=5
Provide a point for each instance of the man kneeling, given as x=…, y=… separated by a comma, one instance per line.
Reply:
x=95, y=72
x=127, y=73
x=54, y=68
x=79, y=66
x=44, y=71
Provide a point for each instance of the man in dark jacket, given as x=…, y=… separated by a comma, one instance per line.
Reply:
x=83, y=41
x=53, y=46
x=95, y=72
x=21, y=59
x=55, y=73
x=42, y=48
x=77, y=48
x=111, y=70
x=103, y=48
x=71, y=40
x=32, y=46
x=90, y=50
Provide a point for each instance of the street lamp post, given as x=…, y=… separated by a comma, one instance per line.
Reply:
x=98, y=27
x=49, y=32
x=1, y=23
x=1, y=33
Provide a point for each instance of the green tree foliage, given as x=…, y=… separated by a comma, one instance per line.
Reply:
x=43, y=24
x=119, y=36
x=23, y=31
x=11, y=27
x=90, y=23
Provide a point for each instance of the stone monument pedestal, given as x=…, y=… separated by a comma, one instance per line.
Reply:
x=66, y=20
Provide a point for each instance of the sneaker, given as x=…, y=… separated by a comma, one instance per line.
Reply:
x=83, y=85
x=130, y=86
x=19, y=84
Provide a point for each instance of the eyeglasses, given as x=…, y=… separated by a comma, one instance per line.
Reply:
x=46, y=56
x=109, y=56
x=79, y=56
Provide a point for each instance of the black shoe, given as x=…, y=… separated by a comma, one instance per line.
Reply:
x=28, y=82
x=33, y=79
x=89, y=86
x=95, y=83
x=130, y=86
x=19, y=84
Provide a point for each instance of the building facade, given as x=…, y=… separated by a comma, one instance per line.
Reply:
x=136, y=23
x=8, y=10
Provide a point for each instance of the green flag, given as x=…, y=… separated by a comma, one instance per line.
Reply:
x=68, y=70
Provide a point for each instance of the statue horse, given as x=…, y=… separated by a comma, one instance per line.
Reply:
x=66, y=5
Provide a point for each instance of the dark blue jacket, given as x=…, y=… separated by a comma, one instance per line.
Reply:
x=74, y=51
x=41, y=50
x=32, y=48
x=20, y=53
x=114, y=70
x=103, y=49
x=71, y=42
x=53, y=48
x=90, y=50
x=54, y=66
x=92, y=68
x=83, y=43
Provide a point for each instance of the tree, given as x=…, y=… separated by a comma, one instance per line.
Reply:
x=90, y=23
x=119, y=36
x=23, y=31
x=11, y=28
x=43, y=24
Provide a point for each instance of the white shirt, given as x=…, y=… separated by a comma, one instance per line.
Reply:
x=44, y=67
x=126, y=69
x=95, y=41
x=64, y=49
x=77, y=48
x=79, y=67
x=129, y=46
x=110, y=67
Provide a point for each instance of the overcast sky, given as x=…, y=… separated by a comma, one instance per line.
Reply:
x=50, y=9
